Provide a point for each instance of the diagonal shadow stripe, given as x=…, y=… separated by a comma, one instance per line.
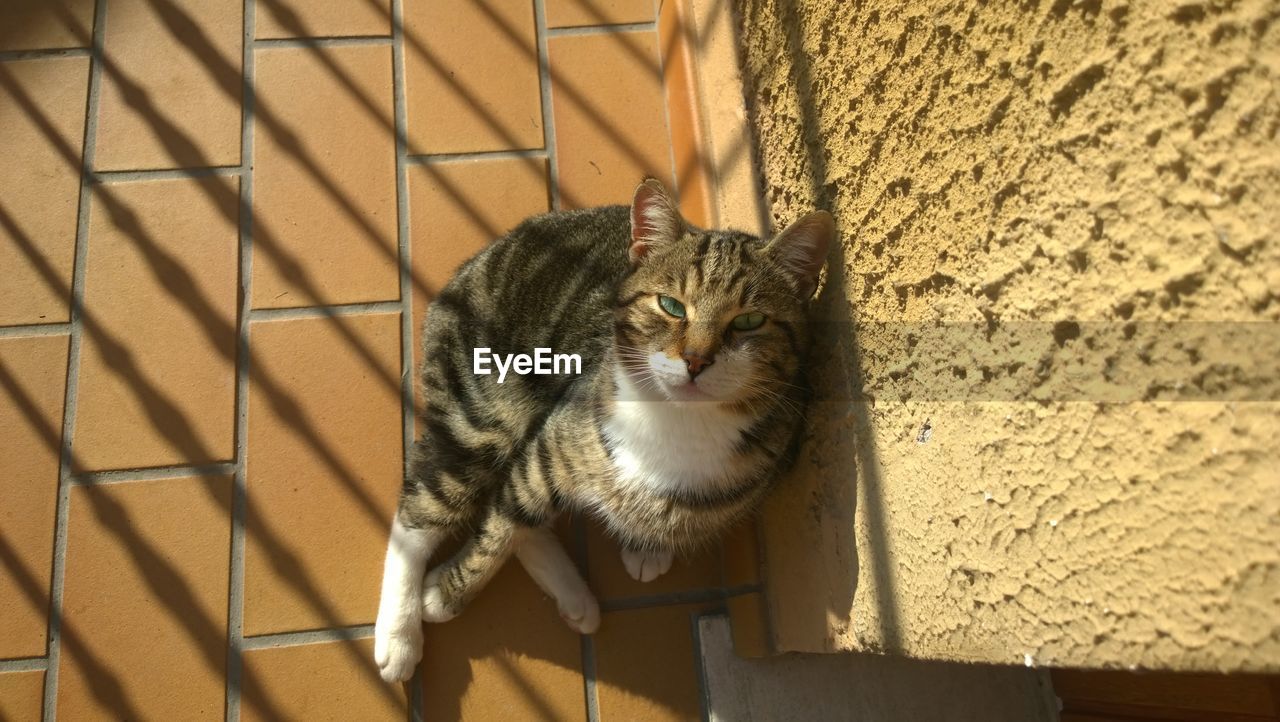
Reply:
x=179, y=283
x=226, y=76
x=165, y=415
x=164, y=581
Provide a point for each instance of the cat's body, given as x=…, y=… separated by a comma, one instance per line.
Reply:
x=665, y=461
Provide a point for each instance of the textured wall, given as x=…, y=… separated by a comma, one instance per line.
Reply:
x=1059, y=223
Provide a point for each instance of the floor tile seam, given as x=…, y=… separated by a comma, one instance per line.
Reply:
x=44, y=54
x=331, y=311
x=157, y=473
x=24, y=664
x=548, y=112
x=311, y=636
x=477, y=155
x=70, y=397
x=602, y=29
x=36, y=329
x=239, y=501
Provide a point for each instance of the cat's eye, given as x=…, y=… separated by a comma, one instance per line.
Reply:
x=671, y=306
x=748, y=321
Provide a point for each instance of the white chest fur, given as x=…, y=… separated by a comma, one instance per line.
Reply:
x=663, y=446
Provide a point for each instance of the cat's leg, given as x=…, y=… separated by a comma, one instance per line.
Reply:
x=432, y=505
x=397, y=636
x=451, y=585
x=645, y=565
x=546, y=561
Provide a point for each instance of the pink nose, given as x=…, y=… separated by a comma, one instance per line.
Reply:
x=696, y=363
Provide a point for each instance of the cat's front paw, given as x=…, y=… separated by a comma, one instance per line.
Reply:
x=646, y=566
x=397, y=651
x=436, y=606
x=581, y=614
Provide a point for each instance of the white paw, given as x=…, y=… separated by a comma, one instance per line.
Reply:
x=582, y=614
x=646, y=566
x=397, y=651
x=433, y=606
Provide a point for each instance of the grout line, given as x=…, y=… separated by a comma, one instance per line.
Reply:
x=45, y=54
x=130, y=176
x=73, y=362
x=603, y=29
x=699, y=660
x=30, y=664
x=696, y=596
x=319, y=42
x=588, y=642
x=239, y=498
x=36, y=329
x=347, y=309
x=666, y=107
x=123, y=476
x=317, y=636
x=405, y=303
x=477, y=155
x=401, y=123
x=548, y=115
x=589, y=677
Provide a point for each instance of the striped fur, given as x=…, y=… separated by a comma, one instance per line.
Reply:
x=665, y=460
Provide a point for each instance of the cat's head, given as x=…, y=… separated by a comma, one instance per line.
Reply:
x=714, y=316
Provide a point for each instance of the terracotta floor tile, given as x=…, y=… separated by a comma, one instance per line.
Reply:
x=507, y=656
x=741, y=550
x=573, y=13
x=458, y=207
x=309, y=522
x=611, y=127
x=325, y=178
x=187, y=232
x=693, y=169
x=40, y=185
x=645, y=665
x=471, y=76
x=37, y=366
x=322, y=18
x=21, y=695
x=42, y=24
x=609, y=578
x=326, y=681
x=146, y=593
x=170, y=99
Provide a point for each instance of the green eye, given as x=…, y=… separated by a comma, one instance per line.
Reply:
x=671, y=306
x=748, y=321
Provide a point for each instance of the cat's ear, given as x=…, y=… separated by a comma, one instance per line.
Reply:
x=655, y=220
x=802, y=250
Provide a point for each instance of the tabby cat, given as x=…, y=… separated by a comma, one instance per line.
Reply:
x=688, y=407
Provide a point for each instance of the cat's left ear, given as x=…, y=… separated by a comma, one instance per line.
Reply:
x=655, y=220
x=802, y=250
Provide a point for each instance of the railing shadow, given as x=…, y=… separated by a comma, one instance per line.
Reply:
x=170, y=588
x=167, y=417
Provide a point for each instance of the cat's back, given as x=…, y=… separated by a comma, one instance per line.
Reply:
x=548, y=284
x=552, y=279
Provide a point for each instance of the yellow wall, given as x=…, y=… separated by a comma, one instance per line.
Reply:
x=1060, y=248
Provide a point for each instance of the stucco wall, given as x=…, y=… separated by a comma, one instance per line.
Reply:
x=1059, y=239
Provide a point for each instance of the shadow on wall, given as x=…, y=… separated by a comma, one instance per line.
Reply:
x=549, y=640
x=840, y=426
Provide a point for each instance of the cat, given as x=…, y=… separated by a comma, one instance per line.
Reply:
x=689, y=405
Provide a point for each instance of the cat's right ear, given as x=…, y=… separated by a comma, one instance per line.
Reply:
x=654, y=219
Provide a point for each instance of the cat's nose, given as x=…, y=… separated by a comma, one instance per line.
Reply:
x=696, y=363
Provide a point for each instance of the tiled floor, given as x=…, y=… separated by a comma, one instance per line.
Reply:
x=220, y=223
